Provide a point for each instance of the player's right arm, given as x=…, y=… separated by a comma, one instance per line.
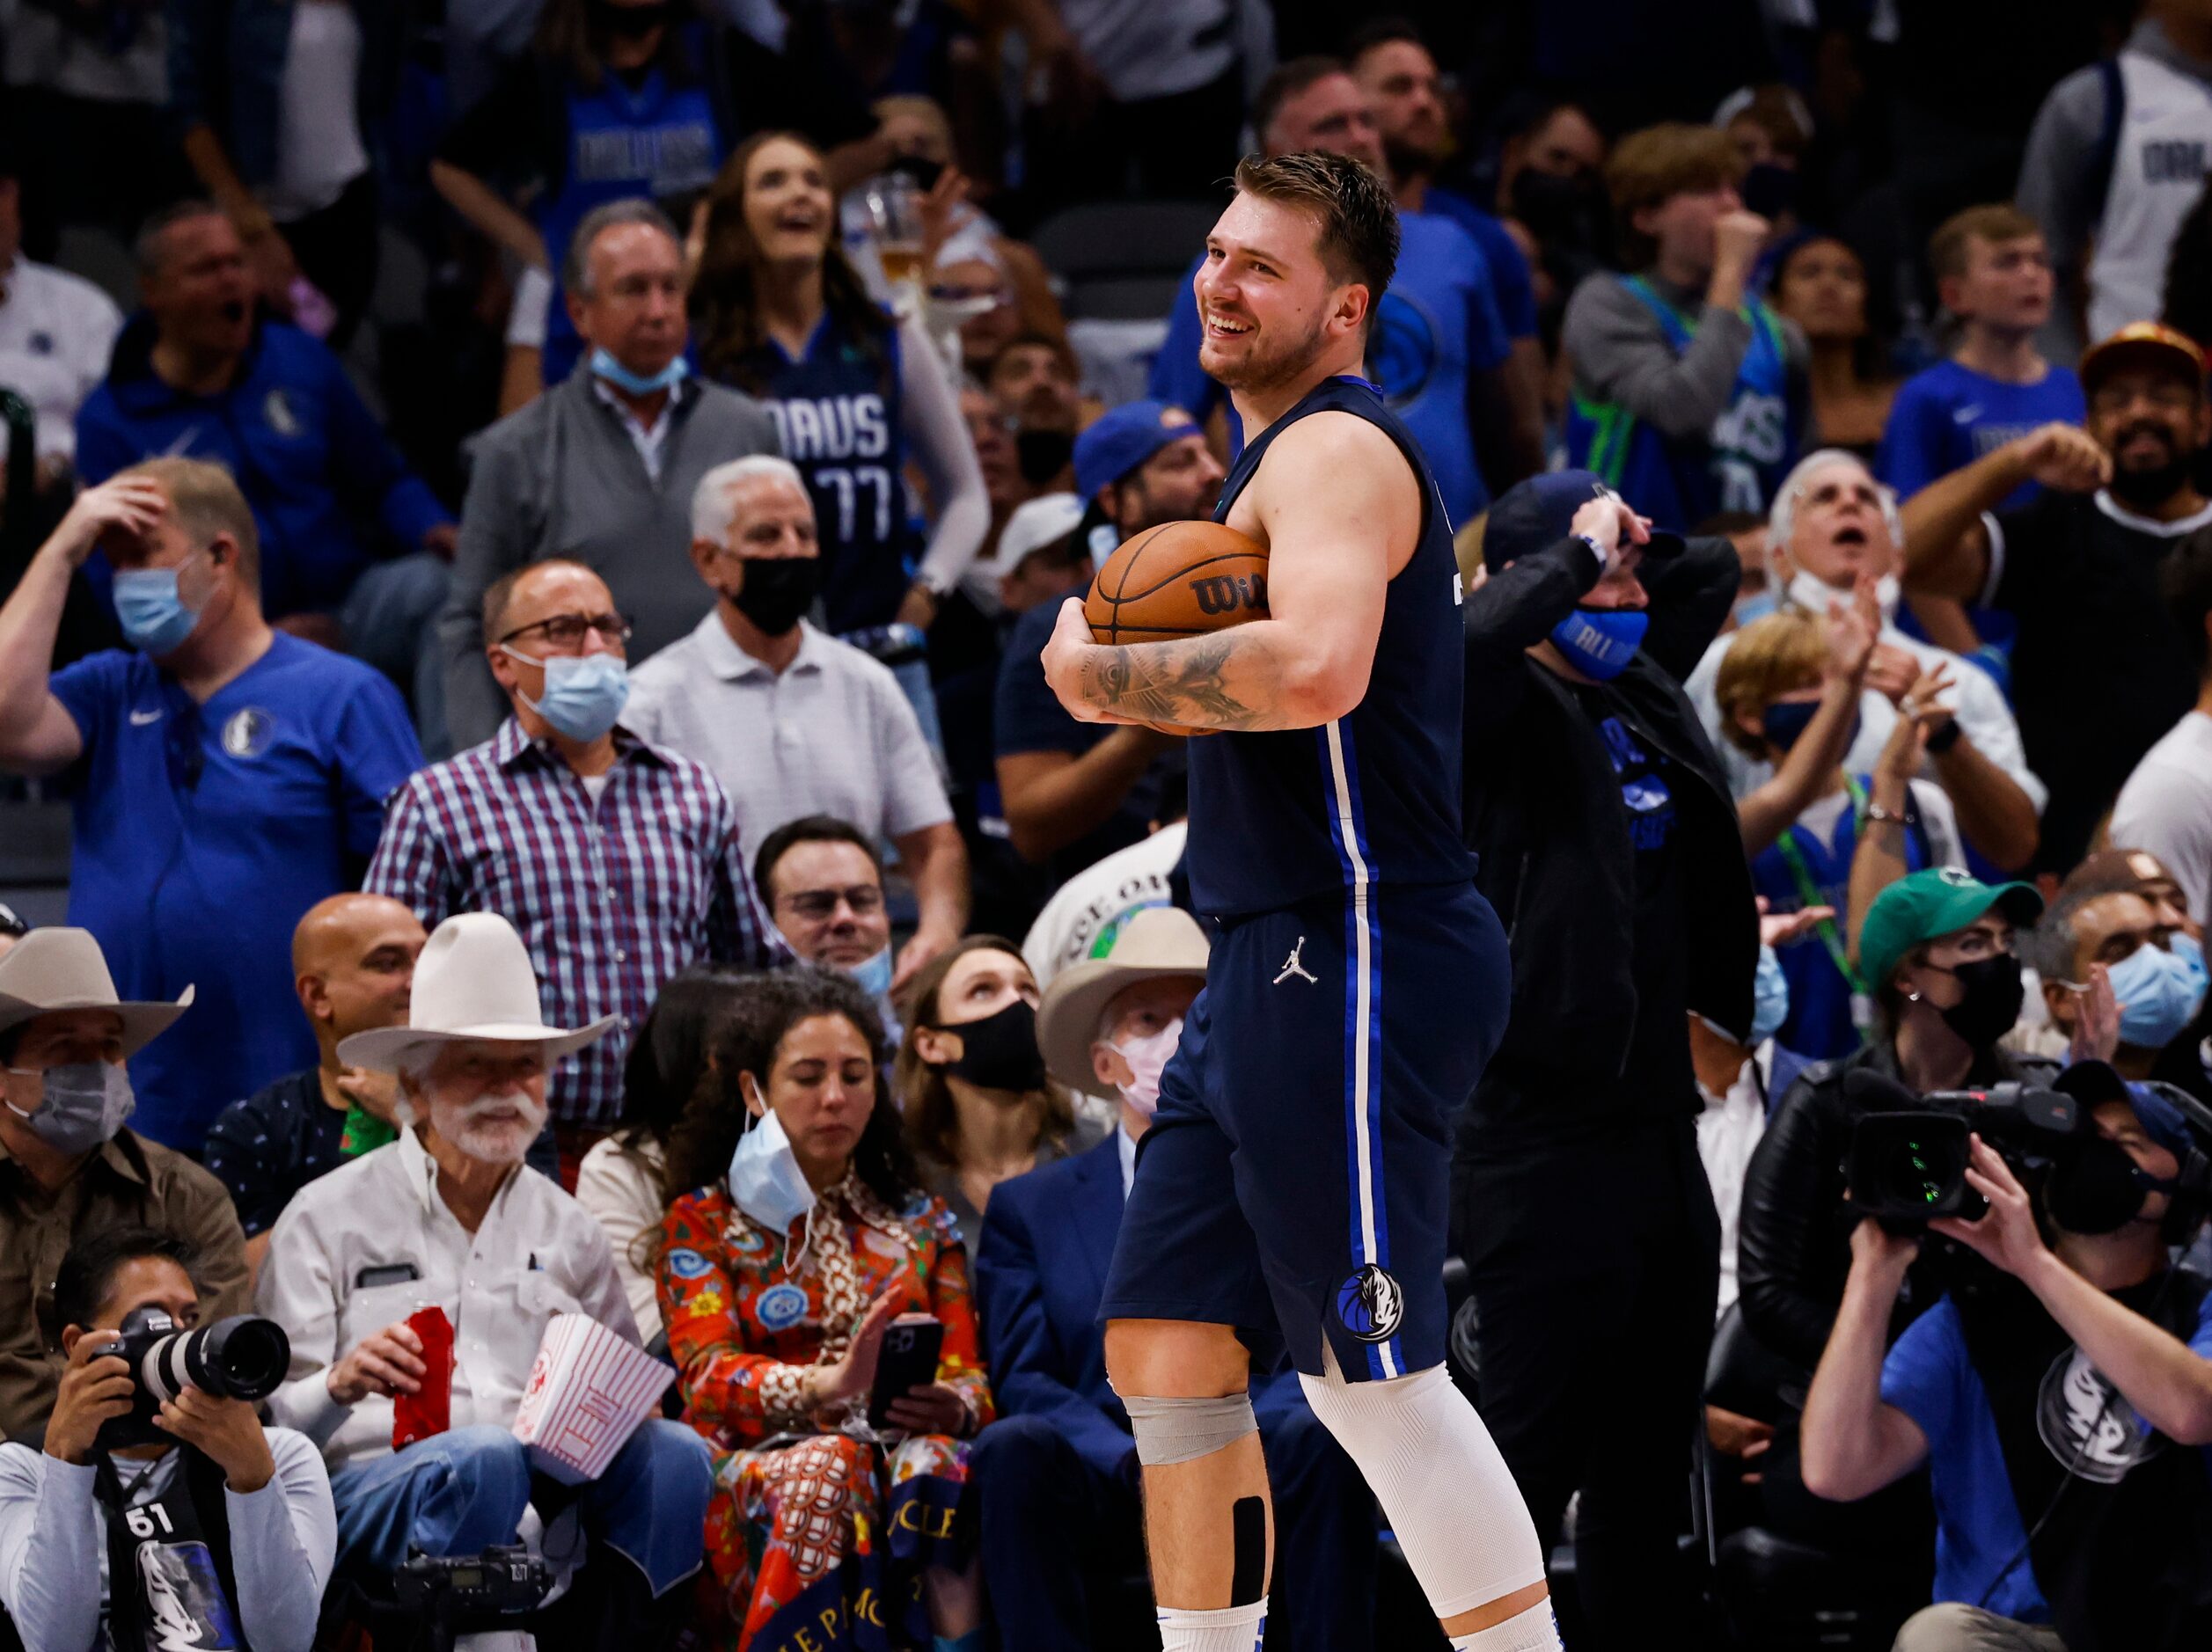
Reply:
x=37, y=733
x=1340, y=512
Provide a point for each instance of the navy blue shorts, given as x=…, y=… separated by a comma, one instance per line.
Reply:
x=1295, y=1181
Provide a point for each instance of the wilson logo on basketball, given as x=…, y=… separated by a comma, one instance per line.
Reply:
x=1228, y=593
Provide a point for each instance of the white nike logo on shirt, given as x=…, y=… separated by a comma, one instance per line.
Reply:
x=1967, y=415
x=139, y=720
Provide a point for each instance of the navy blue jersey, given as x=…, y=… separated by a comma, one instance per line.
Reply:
x=836, y=408
x=1374, y=797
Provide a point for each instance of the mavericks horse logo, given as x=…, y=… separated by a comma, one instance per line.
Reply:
x=1371, y=1304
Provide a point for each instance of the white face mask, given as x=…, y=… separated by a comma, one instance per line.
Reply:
x=764, y=1177
x=1148, y=1059
x=1815, y=596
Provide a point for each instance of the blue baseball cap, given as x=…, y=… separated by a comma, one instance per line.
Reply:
x=1540, y=512
x=1120, y=440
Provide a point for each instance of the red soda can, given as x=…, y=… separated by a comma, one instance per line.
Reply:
x=429, y=1411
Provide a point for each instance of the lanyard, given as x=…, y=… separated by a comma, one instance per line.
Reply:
x=1809, y=892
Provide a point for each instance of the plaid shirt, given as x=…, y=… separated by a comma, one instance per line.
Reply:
x=613, y=898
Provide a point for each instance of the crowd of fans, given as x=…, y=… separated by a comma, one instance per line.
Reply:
x=535, y=612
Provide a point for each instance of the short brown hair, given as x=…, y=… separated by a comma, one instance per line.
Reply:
x=1653, y=166
x=205, y=499
x=1285, y=82
x=1772, y=656
x=1950, y=247
x=1352, y=207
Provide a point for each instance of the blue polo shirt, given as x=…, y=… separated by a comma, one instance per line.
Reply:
x=1947, y=417
x=1437, y=326
x=204, y=832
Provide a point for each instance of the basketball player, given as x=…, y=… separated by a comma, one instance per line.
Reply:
x=1292, y=1188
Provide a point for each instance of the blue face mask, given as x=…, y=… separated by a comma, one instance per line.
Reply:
x=153, y=617
x=604, y=366
x=764, y=1178
x=1599, y=642
x=1785, y=723
x=2191, y=951
x=2159, y=992
x=585, y=693
x=1770, y=998
x=873, y=975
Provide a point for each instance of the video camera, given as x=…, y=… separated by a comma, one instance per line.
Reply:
x=239, y=1358
x=1907, y=1161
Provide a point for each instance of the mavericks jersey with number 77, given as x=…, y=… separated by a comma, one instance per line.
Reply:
x=1374, y=797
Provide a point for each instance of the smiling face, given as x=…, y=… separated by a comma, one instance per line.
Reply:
x=2152, y=420
x=790, y=210
x=1840, y=533
x=1267, y=301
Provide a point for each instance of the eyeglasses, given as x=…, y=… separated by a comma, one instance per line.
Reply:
x=814, y=905
x=565, y=631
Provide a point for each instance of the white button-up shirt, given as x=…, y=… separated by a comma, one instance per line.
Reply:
x=538, y=1253
x=832, y=733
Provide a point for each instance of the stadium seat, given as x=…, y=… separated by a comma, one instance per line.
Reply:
x=1122, y=261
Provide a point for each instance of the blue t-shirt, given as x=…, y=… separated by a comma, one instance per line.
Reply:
x=1437, y=326
x=1510, y=281
x=204, y=832
x=1947, y=417
x=1930, y=1376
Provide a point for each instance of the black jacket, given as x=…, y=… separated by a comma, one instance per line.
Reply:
x=1543, y=809
x=1793, y=1248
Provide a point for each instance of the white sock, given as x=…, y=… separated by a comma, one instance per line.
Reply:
x=1231, y=1629
x=1535, y=1630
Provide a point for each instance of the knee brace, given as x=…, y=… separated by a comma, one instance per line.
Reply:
x=1177, y=1430
x=1440, y=1480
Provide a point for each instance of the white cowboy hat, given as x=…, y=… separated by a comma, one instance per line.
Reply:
x=55, y=969
x=473, y=981
x=1160, y=940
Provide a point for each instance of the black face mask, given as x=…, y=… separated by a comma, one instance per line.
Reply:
x=1558, y=209
x=2095, y=1188
x=1769, y=190
x=1993, y=994
x=921, y=169
x=631, y=22
x=999, y=1052
x=1042, y=454
x=777, y=591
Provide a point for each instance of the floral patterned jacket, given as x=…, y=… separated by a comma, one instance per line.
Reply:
x=749, y=1310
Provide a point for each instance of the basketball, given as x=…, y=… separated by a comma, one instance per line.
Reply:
x=1181, y=579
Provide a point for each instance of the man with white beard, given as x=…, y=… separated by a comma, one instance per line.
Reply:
x=448, y=1217
x=1833, y=526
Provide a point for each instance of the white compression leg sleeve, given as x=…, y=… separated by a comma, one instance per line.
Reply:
x=1442, y=1484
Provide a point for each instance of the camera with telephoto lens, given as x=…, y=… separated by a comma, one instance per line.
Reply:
x=1908, y=1163
x=239, y=1358
x=500, y=1580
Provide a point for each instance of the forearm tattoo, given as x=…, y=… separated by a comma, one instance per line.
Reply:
x=1170, y=683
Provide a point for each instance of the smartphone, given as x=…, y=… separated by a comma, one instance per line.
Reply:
x=390, y=1274
x=909, y=1360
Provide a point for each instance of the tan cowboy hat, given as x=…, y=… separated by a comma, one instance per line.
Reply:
x=1160, y=940
x=53, y=969
x=473, y=981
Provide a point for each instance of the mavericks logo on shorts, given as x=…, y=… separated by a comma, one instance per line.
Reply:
x=1371, y=1304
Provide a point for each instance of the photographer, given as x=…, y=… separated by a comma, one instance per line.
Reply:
x=2053, y=1407
x=220, y=1534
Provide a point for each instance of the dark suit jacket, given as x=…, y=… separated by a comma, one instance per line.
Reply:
x=1048, y=1238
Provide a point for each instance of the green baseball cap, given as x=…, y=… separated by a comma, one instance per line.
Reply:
x=1925, y=904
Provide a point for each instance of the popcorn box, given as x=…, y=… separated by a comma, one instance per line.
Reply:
x=588, y=1392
